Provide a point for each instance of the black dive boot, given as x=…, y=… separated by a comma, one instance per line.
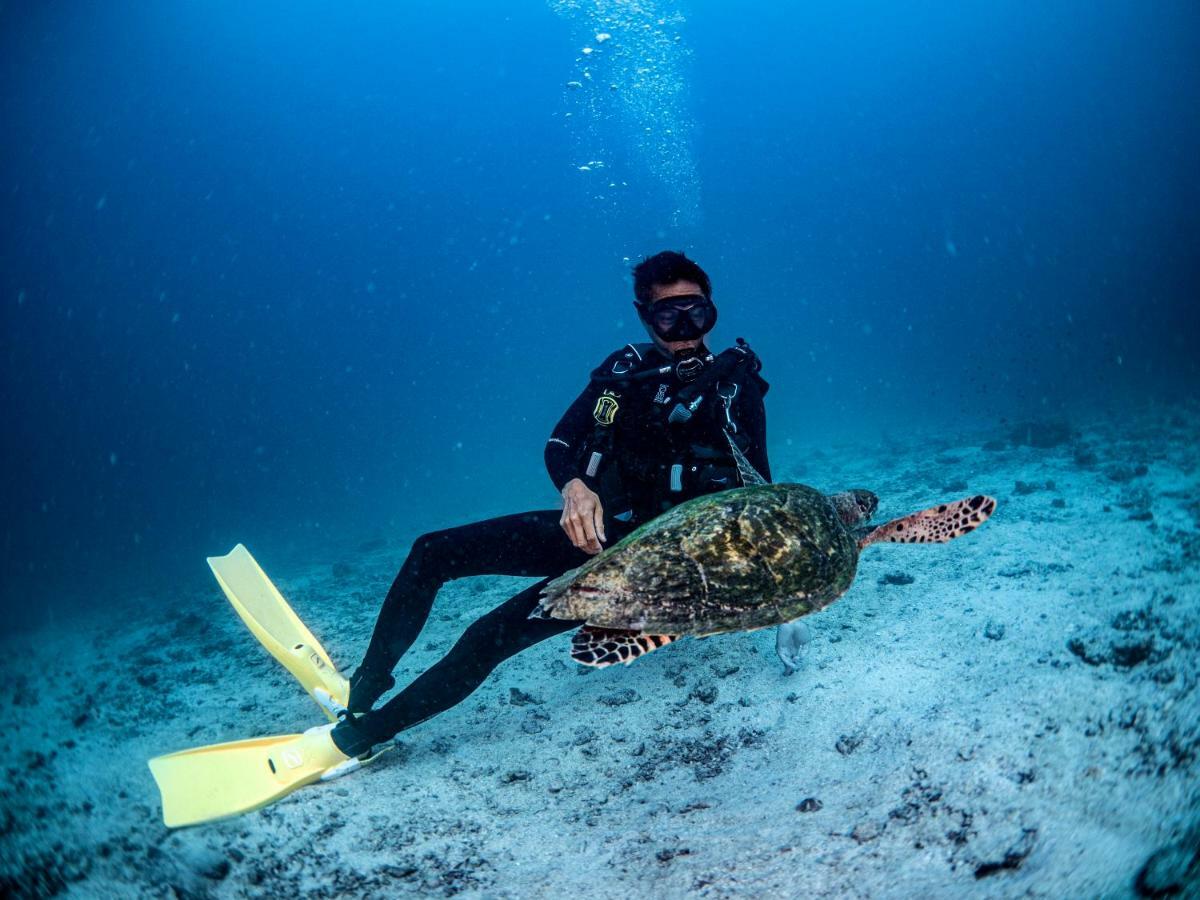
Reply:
x=349, y=737
x=366, y=687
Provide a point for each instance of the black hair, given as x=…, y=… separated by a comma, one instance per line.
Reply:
x=667, y=267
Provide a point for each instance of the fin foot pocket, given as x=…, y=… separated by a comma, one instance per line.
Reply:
x=222, y=780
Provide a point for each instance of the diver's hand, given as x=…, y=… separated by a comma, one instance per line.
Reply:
x=790, y=641
x=583, y=516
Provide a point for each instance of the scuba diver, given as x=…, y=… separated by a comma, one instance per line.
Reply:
x=652, y=429
x=616, y=458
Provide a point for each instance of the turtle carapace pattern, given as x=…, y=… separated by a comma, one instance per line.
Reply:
x=738, y=560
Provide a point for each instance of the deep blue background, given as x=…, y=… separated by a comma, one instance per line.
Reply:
x=301, y=276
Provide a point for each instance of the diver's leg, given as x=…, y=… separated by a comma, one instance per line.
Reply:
x=530, y=543
x=490, y=640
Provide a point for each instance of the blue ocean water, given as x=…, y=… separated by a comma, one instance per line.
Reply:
x=309, y=275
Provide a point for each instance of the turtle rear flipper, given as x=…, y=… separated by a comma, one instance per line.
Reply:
x=594, y=646
x=935, y=525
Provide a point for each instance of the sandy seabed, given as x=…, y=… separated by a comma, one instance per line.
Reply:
x=1011, y=715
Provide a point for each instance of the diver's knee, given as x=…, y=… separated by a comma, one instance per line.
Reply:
x=432, y=550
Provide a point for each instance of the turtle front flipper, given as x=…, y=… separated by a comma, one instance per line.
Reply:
x=593, y=646
x=935, y=525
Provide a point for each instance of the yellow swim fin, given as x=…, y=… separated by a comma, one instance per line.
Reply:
x=221, y=780
x=279, y=629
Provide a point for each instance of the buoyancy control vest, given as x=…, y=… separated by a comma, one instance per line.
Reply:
x=661, y=436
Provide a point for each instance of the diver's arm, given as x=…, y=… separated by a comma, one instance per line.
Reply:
x=563, y=450
x=583, y=513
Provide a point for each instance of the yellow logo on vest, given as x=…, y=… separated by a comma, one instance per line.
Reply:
x=606, y=408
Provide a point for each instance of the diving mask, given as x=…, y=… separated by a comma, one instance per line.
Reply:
x=682, y=318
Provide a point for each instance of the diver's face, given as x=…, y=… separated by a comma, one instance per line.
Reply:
x=664, y=292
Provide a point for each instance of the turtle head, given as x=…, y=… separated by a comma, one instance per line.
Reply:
x=854, y=506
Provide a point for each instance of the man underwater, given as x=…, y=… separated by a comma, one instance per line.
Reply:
x=617, y=462
x=652, y=429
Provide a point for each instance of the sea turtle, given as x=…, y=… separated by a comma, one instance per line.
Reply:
x=742, y=559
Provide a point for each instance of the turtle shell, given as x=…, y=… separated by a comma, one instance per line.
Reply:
x=741, y=559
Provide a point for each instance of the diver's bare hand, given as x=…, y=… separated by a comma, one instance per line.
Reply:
x=583, y=516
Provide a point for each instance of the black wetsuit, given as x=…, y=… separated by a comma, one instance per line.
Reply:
x=645, y=465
